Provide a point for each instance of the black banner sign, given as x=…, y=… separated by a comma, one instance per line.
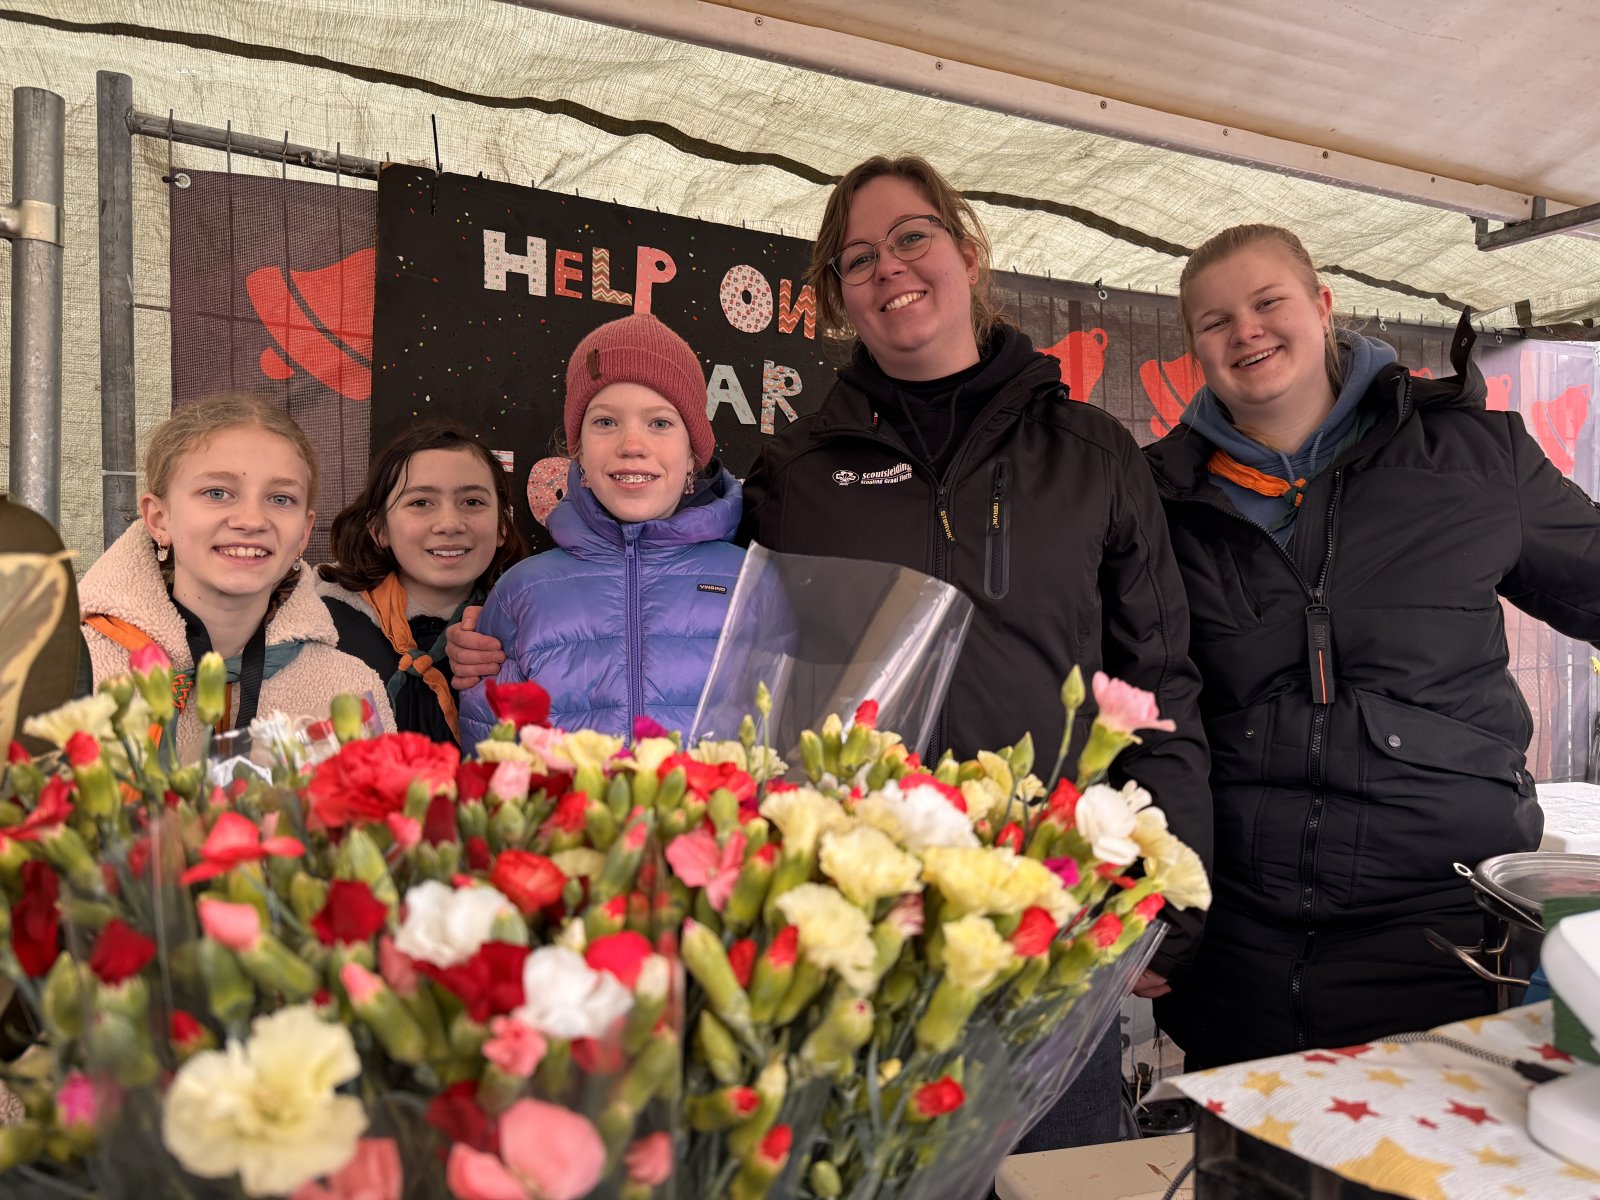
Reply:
x=483, y=290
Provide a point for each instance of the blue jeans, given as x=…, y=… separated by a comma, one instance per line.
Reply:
x=1092, y=1110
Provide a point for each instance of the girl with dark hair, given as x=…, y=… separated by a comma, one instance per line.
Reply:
x=429, y=534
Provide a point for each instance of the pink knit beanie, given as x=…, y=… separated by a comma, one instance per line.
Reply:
x=640, y=349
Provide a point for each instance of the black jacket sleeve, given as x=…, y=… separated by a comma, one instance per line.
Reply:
x=1145, y=642
x=1557, y=575
x=757, y=489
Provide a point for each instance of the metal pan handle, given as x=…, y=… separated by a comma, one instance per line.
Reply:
x=1440, y=942
x=1499, y=905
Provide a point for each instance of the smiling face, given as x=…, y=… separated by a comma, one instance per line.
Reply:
x=441, y=526
x=1261, y=336
x=235, y=515
x=915, y=317
x=634, y=451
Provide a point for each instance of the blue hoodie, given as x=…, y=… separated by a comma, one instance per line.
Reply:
x=622, y=620
x=1363, y=358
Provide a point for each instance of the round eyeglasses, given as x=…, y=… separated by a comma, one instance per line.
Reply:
x=908, y=240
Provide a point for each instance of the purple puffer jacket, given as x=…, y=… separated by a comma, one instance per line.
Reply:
x=621, y=620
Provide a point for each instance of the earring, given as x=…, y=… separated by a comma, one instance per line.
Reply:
x=298, y=563
x=161, y=552
x=583, y=477
x=688, y=485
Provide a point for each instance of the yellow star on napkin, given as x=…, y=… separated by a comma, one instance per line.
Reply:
x=1490, y=1157
x=1273, y=1130
x=1389, y=1168
x=1385, y=1075
x=1574, y=1171
x=1461, y=1080
x=1265, y=1082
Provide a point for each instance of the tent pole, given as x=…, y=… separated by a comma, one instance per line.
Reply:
x=118, y=436
x=275, y=149
x=34, y=225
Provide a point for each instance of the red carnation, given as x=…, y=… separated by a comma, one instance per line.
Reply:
x=1034, y=933
x=530, y=881
x=472, y=780
x=455, y=1113
x=742, y=958
x=1105, y=931
x=185, y=1030
x=81, y=749
x=17, y=754
x=867, y=714
x=478, y=857
x=49, y=814
x=351, y=914
x=1010, y=837
x=934, y=1099
x=120, y=953
x=620, y=954
x=439, y=822
x=489, y=983
x=568, y=816
x=785, y=946
x=701, y=779
x=139, y=856
x=520, y=703
x=774, y=1148
x=367, y=780
x=1149, y=907
x=35, y=922
x=1062, y=807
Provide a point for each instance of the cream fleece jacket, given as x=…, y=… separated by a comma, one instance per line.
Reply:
x=126, y=582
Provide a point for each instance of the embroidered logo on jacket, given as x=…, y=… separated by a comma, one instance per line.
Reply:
x=712, y=587
x=845, y=478
x=898, y=473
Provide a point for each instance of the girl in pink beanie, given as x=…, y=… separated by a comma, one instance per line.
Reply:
x=621, y=620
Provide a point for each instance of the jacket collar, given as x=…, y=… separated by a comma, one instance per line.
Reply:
x=581, y=525
x=1015, y=370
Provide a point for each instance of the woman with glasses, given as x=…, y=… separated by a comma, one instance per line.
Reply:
x=950, y=445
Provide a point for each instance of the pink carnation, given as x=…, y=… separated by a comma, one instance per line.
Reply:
x=236, y=926
x=698, y=861
x=1125, y=708
x=515, y=1048
x=649, y=1160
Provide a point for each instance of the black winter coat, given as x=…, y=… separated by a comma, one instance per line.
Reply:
x=1046, y=518
x=1347, y=782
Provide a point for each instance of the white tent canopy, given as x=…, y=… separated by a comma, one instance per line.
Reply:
x=1489, y=97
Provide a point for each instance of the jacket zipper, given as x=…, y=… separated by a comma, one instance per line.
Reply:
x=997, y=577
x=1318, y=595
x=630, y=557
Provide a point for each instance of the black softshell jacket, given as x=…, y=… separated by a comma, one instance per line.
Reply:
x=1365, y=733
x=1048, y=520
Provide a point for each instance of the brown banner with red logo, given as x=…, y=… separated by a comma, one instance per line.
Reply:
x=272, y=294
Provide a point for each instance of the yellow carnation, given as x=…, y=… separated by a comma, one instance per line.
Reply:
x=760, y=762
x=974, y=952
x=867, y=866
x=1157, y=846
x=581, y=862
x=835, y=935
x=985, y=800
x=996, y=769
x=1184, y=883
x=649, y=753
x=995, y=880
x=491, y=751
x=586, y=748
x=803, y=815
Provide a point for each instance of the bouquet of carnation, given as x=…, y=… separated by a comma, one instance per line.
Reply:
x=370, y=970
x=575, y=966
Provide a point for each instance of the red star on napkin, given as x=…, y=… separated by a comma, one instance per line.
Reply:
x=1354, y=1109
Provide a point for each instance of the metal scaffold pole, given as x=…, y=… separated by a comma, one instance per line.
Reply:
x=34, y=226
x=118, y=437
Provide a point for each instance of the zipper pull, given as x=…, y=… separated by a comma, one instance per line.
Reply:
x=1319, y=651
x=944, y=517
x=997, y=496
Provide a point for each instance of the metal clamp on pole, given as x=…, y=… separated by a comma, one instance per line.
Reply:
x=32, y=221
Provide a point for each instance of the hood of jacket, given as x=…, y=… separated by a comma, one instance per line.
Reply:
x=126, y=582
x=1013, y=370
x=582, y=527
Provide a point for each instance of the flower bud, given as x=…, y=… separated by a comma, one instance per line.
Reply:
x=275, y=968
x=811, y=754
x=940, y=1025
x=749, y=892
x=20, y=1144
x=359, y=858
x=508, y=828
x=307, y=896
x=65, y=998
x=600, y=823
x=761, y=1169
x=831, y=1047
x=119, y=1045
x=715, y=1046
x=229, y=992
x=152, y=675
x=383, y=1013
x=1021, y=757
x=706, y=960
x=654, y=1071
x=721, y=1109
x=619, y=796
x=808, y=981
x=747, y=733
x=825, y=1181
x=210, y=688
x=349, y=719
x=97, y=790
x=772, y=1085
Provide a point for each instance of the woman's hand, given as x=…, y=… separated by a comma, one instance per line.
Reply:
x=473, y=656
x=1150, y=985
